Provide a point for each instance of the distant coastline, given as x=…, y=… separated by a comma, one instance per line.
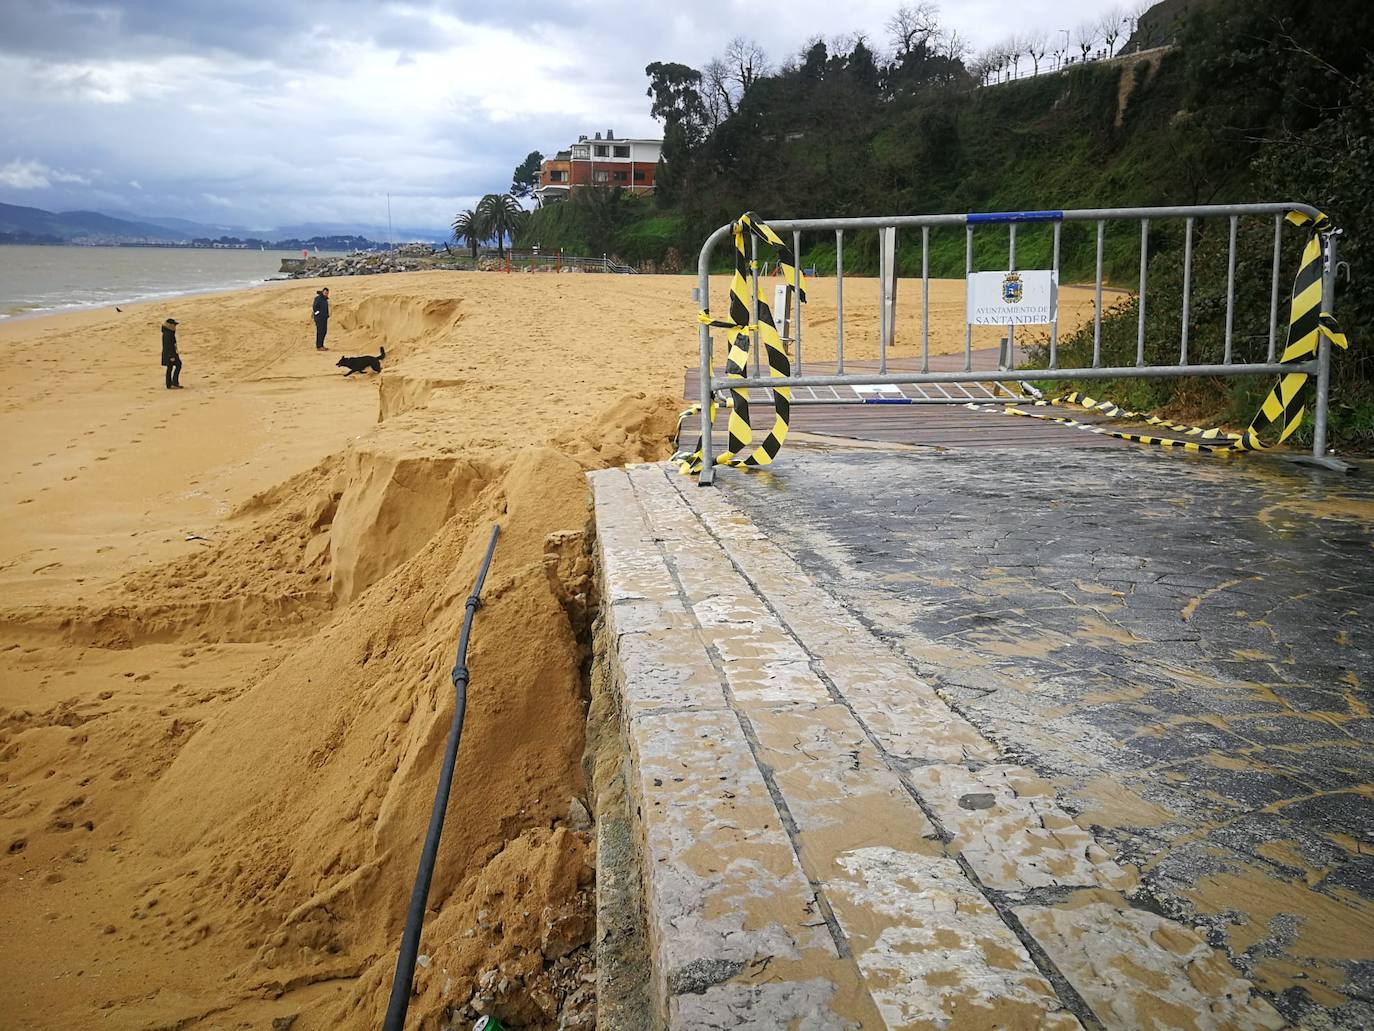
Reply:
x=333, y=244
x=35, y=227
x=163, y=245
x=40, y=280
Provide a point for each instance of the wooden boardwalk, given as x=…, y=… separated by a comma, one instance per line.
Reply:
x=933, y=425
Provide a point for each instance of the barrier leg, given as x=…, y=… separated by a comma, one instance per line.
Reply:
x=708, y=456
x=1321, y=403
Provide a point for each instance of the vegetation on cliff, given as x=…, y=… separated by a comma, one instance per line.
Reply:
x=1254, y=101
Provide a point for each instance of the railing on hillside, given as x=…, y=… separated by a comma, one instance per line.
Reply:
x=1059, y=61
x=961, y=386
x=557, y=261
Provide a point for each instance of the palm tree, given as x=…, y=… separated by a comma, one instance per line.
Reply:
x=468, y=226
x=522, y=221
x=500, y=214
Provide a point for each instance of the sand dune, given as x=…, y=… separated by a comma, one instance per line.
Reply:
x=228, y=620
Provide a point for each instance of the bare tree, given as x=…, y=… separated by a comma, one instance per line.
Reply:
x=981, y=66
x=1109, y=27
x=999, y=59
x=1015, y=49
x=745, y=62
x=952, y=46
x=912, y=27
x=845, y=42
x=1037, y=44
x=1085, y=37
x=717, y=92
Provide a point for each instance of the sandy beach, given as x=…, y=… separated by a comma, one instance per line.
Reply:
x=229, y=614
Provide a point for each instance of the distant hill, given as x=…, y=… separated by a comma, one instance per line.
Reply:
x=374, y=232
x=194, y=229
x=34, y=225
x=81, y=227
x=21, y=224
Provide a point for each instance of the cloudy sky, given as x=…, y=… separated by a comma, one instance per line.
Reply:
x=267, y=112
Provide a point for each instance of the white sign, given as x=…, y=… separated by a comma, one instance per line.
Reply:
x=1012, y=298
x=782, y=311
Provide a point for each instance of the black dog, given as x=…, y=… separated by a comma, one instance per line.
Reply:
x=362, y=363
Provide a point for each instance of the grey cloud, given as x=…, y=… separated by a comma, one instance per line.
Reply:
x=247, y=28
x=254, y=120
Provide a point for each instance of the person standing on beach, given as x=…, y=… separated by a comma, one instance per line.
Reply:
x=170, y=358
x=320, y=312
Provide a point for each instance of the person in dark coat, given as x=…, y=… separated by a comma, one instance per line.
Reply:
x=320, y=312
x=170, y=358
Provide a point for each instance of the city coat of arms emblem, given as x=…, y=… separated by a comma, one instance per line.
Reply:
x=1011, y=288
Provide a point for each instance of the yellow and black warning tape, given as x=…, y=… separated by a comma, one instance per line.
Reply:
x=1283, y=408
x=738, y=332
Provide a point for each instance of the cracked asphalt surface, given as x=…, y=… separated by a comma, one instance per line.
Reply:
x=1183, y=645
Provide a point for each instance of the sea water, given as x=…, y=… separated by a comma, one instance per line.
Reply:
x=48, y=279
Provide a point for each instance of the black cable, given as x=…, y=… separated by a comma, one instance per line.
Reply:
x=410, y=939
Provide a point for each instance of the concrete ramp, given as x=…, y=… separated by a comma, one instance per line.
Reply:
x=823, y=842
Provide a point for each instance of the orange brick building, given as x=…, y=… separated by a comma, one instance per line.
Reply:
x=627, y=163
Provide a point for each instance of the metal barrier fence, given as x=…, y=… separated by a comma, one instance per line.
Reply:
x=557, y=261
x=963, y=386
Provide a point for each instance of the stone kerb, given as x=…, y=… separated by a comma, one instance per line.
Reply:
x=825, y=843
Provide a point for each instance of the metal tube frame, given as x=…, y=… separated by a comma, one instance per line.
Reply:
x=796, y=298
x=1140, y=297
x=1324, y=351
x=839, y=302
x=968, y=271
x=1054, y=325
x=1009, y=355
x=1097, y=296
x=1230, y=286
x=754, y=303
x=925, y=298
x=1319, y=367
x=1187, y=287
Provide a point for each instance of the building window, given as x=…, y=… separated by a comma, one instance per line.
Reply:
x=622, y=152
x=639, y=175
x=581, y=153
x=621, y=177
x=555, y=177
x=601, y=176
x=600, y=151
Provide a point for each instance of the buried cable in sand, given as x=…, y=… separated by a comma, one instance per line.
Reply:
x=415, y=917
